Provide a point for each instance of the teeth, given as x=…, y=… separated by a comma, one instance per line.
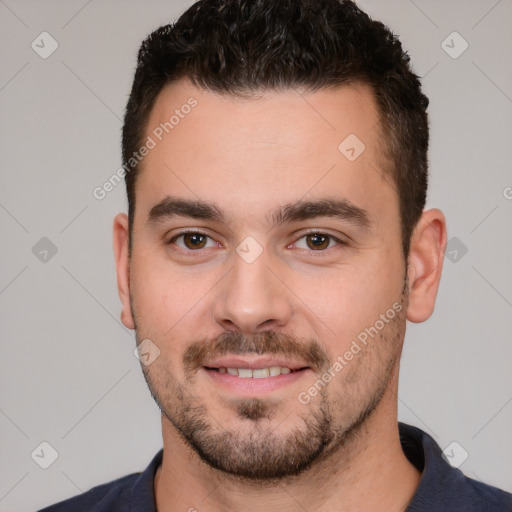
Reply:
x=260, y=373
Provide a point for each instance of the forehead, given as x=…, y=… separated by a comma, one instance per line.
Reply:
x=264, y=115
x=278, y=146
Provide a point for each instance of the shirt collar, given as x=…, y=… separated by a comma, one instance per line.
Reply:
x=437, y=476
x=143, y=490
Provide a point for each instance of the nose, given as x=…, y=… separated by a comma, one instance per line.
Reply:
x=253, y=297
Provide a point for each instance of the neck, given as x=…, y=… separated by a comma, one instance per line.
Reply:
x=370, y=472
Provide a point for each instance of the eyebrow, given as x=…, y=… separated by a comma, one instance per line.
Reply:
x=170, y=207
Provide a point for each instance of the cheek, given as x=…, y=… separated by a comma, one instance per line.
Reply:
x=342, y=303
x=167, y=299
x=158, y=294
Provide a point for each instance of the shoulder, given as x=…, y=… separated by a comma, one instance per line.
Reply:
x=486, y=497
x=443, y=487
x=130, y=492
x=459, y=492
x=111, y=496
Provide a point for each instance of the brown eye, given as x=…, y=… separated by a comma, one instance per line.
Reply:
x=192, y=241
x=317, y=241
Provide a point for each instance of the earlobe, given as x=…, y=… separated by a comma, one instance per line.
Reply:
x=425, y=264
x=120, y=242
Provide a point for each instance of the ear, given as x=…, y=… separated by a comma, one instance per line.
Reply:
x=425, y=263
x=120, y=239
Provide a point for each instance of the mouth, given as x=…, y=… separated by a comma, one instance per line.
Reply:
x=256, y=373
x=254, y=377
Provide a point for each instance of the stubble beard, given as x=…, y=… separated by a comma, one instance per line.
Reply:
x=255, y=452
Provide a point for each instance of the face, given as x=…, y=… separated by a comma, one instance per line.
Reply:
x=267, y=269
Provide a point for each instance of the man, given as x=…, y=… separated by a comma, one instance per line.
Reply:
x=275, y=155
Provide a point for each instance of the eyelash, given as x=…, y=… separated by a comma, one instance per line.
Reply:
x=309, y=233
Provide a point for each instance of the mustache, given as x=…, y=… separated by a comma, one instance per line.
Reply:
x=267, y=342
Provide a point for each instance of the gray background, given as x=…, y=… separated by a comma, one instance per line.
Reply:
x=67, y=372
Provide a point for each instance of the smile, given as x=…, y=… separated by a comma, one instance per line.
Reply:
x=256, y=373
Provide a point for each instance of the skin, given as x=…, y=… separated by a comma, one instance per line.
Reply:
x=249, y=157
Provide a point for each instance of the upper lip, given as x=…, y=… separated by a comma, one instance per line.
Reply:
x=254, y=364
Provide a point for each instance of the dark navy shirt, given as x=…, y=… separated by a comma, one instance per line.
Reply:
x=442, y=488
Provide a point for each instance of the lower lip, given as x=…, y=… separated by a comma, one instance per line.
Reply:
x=252, y=386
